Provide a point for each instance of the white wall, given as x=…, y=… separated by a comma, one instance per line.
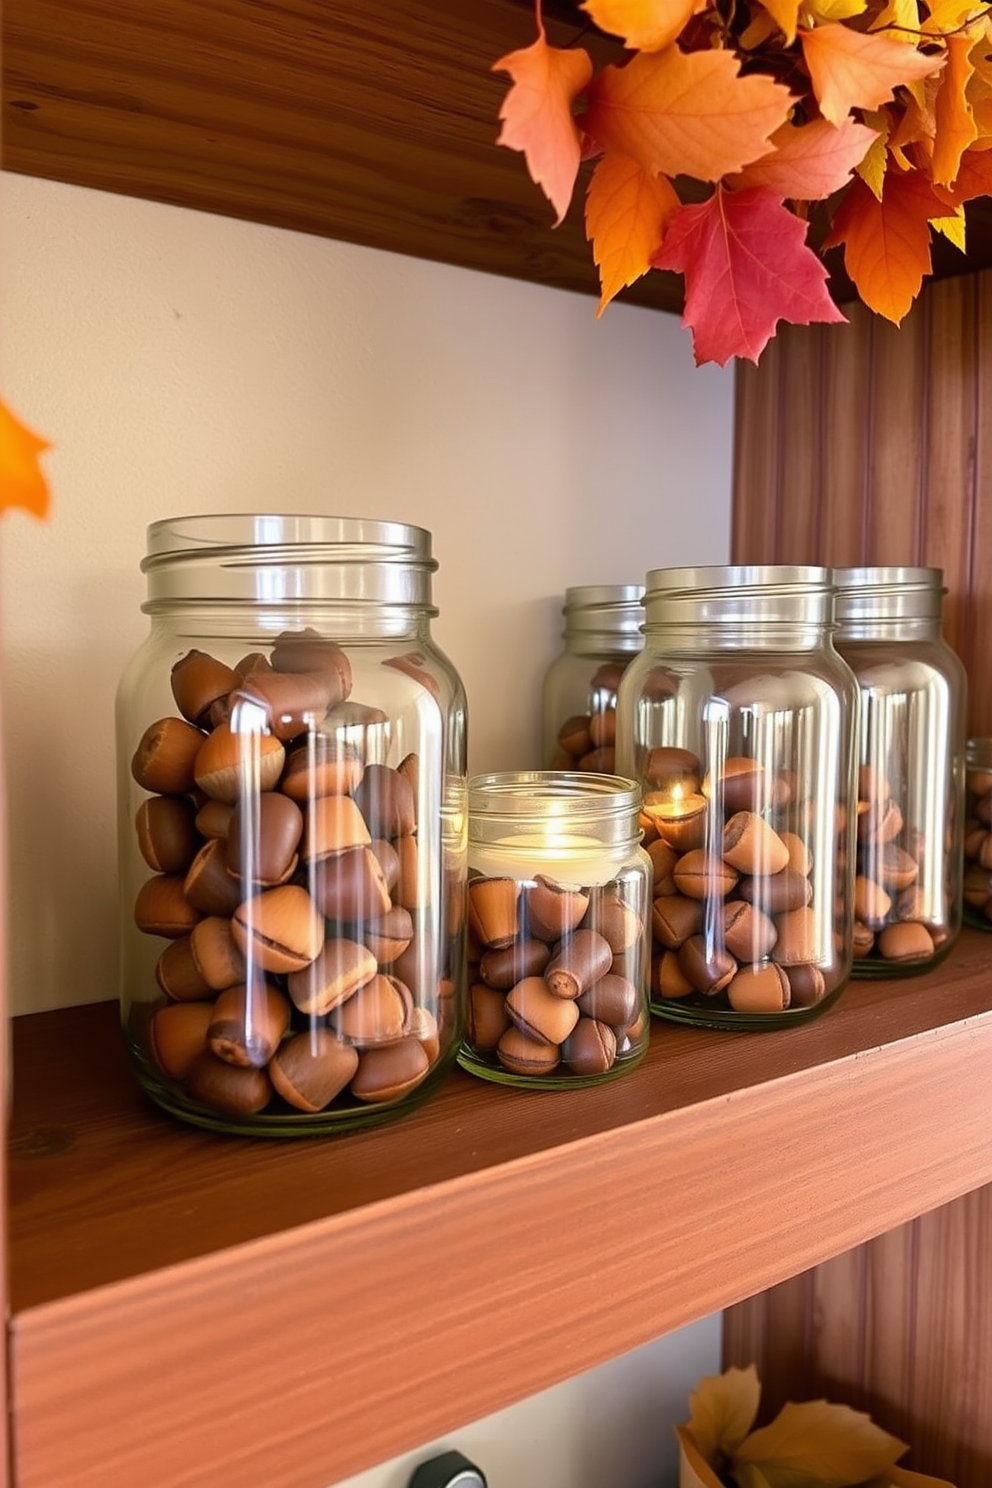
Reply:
x=185, y=363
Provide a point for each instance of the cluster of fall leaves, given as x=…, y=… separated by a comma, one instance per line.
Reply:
x=815, y=1444
x=732, y=127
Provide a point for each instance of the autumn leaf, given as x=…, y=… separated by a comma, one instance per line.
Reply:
x=645, y=25
x=901, y=19
x=685, y=114
x=974, y=178
x=627, y=211
x=872, y=168
x=820, y=12
x=722, y=1409
x=818, y=1442
x=887, y=242
x=945, y=16
x=955, y=124
x=980, y=92
x=901, y=1477
x=951, y=227
x=786, y=15
x=22, y=482
x=809, y=161
x=537, y=114
x=746, y=267
x=855, y=69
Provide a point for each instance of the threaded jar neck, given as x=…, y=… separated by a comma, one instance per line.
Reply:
x=279, y=562
x=604, y=615
x=877, y=600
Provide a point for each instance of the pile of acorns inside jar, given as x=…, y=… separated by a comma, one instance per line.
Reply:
x=286, y=883
x=743, y=914
x=587, y=741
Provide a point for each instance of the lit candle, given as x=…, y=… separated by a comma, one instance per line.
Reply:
x=565, y=857
x=678, y=815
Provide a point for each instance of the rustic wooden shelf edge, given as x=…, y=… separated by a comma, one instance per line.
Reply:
x=311, y=1350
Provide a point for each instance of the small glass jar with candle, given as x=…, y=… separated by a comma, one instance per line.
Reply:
x=738, y=722
x=911, y=767
x=579, y=696
x=559, y=900
x=978, y=834
x=291, y=789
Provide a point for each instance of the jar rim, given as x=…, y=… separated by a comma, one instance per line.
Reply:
x=517, y=794
x=276, y=559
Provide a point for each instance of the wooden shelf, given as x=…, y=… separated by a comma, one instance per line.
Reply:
x=372, y=123
x=194, y=1309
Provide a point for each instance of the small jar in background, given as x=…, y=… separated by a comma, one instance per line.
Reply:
x=559, y=900
x=978, y=834
x=911, y=759
x=291, y=767
x=737, y=719
x=602, y=633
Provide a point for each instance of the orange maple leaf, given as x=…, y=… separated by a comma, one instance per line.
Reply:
x=645, y=25
x=974, y=178
x=887, y=242
x=855, y=69
x=685, y=114
x=955, y=123
x=809, y=161
x=627, y=211
x=786, y=15
x=537, y=114
x=746, y=267
x=22, y=482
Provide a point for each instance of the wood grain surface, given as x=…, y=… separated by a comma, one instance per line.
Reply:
x=899, y=1327
x=307, y=1309
x=372, y=123
x=902, y=420
x=883, y=455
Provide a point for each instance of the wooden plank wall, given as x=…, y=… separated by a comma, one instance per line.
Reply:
x=868, y=443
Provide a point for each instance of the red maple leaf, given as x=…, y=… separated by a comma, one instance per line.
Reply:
x=746, y=267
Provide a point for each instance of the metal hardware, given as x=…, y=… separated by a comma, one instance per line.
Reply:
x=450, y=1470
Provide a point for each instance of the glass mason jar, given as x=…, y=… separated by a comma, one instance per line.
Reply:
x=738, y=722
x=579, y=697
x=911, y=750
x=559, y=903
x=291, y=770
x=977, y=888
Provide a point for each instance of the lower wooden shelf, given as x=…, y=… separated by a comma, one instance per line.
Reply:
x=190, y=1311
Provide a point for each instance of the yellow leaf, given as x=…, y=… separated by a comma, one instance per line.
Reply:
x=22, y=482
x=979, y=91
x=831, y=1446
x=694, y=1470
x=722, y=1409
x=818, y=12
x=900, y=19
x=949, y=15
x=763, y=24
x=785, y=13
x=749, y=1475
x=627, y=211
x=873, y=164
x=952, y=228
x=901, y=1477
x=645, y=25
